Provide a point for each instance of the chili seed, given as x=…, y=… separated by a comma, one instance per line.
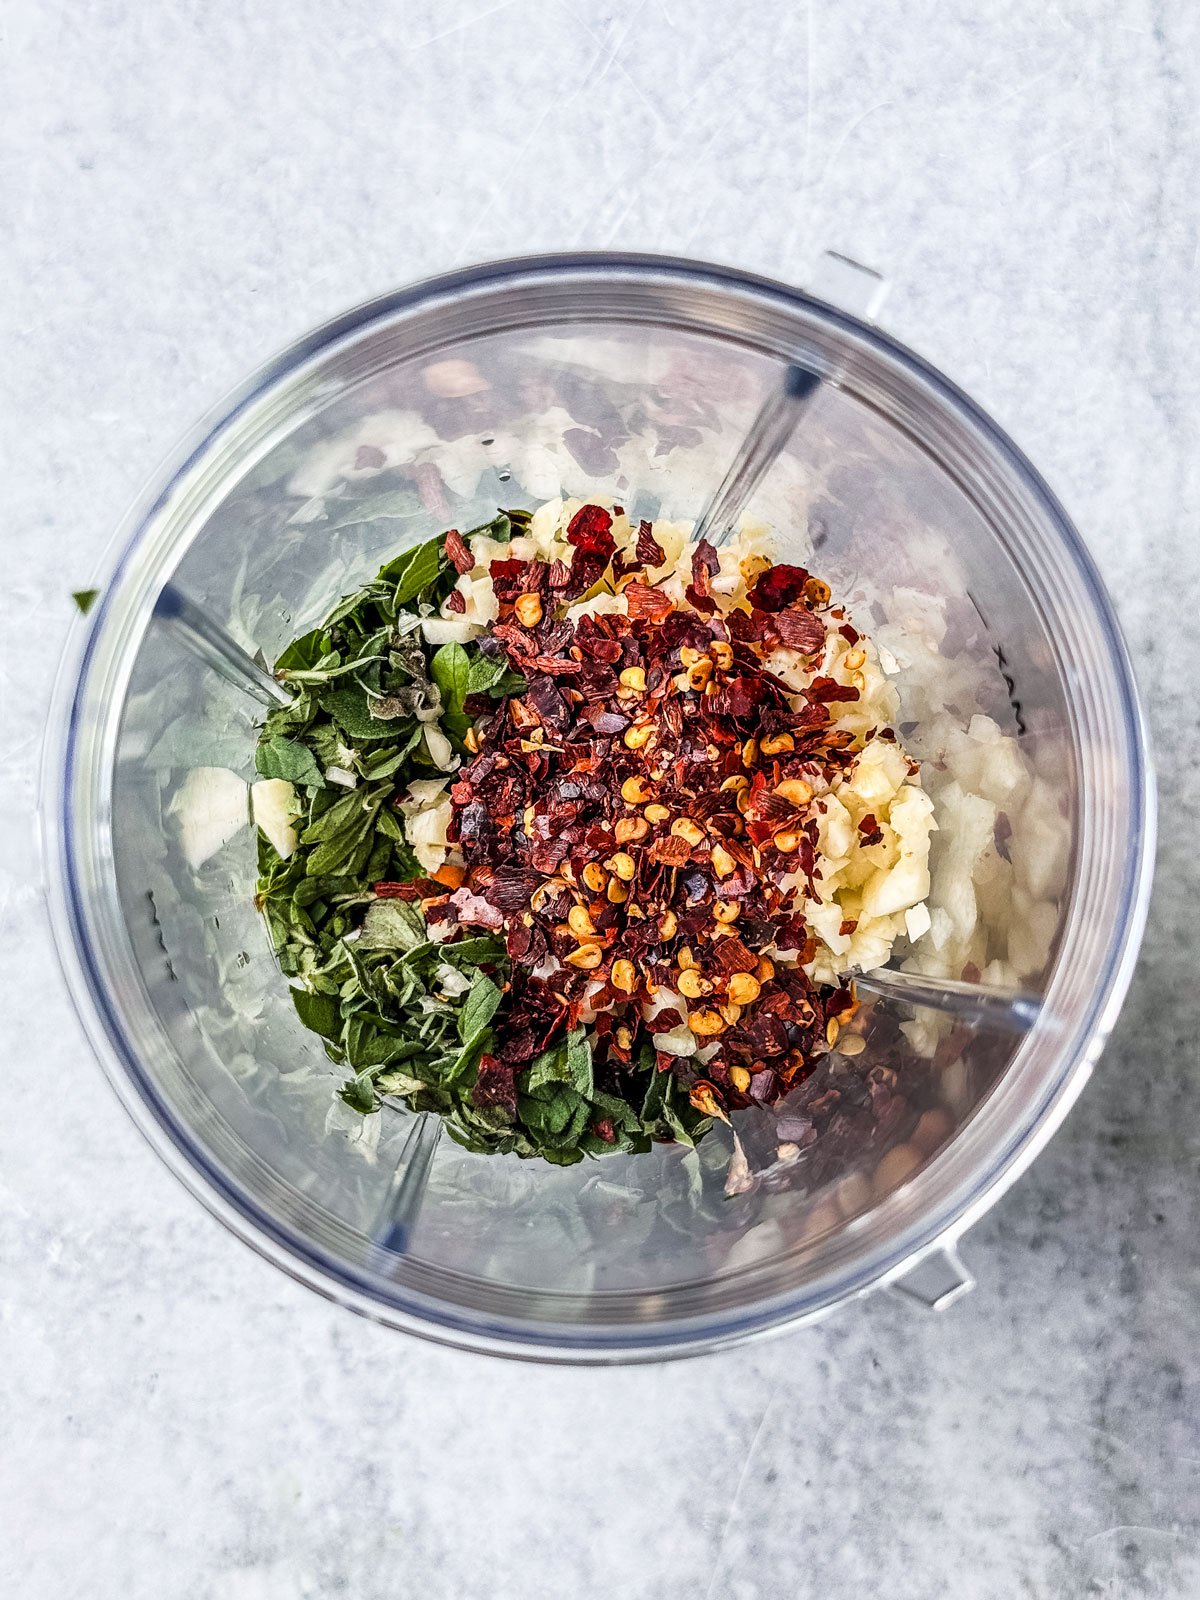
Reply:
x=594, y=876
x=795, y=791
x=529, y=610
x=687, y=829
x=588, y=957
x=705, y=1023
x=623, y=976
x=723, y=862
x=545, y=892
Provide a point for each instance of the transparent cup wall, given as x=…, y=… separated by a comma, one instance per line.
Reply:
x=391, y=439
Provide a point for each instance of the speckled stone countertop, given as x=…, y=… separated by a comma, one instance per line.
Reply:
x=187, y=186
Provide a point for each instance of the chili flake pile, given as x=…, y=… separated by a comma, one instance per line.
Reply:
x=671, y=809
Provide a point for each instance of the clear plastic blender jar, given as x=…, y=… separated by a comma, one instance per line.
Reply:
x=635, y=378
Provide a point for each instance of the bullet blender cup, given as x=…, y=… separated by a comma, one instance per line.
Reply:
x=632, y=378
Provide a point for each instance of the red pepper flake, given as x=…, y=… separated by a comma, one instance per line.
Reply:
x=851, y=635
x=825, y=690
x=800, y=630
x=456, y=601
x=591, y=529
x=705, y=566
x=457, y=552
x=646, y=603
x=732, y=956
x=508, y=578
x=399, y=891
x=603, y=1129
x=870, y=830
x=671, y=851
x=778, y=587
x=649, y=552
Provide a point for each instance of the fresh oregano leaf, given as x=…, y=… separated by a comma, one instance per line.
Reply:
x=282, y=757
x=479, y=1008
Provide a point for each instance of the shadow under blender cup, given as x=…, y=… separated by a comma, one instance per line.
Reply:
x=621, y=1259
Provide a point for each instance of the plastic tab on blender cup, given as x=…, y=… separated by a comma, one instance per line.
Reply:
x=937, y=1280
x=849, y=285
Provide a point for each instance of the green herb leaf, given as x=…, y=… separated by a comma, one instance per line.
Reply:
x=473, y=952
x=85, y=599
x=318, y=1012
x=480, y=1007
x=579, y=1062
x=303, y=653
x=483, y=672
x=282, y=757
x=342, y=814
x=415, y=569
x=392, y=925
x=451, y=671
x=350, y=708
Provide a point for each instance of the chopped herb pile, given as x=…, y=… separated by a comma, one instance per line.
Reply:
x=544, y=871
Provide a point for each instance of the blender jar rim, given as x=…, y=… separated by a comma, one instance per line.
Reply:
x=66, y=853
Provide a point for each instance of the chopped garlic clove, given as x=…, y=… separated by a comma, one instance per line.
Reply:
x=448, y=630
x=275, y=807
x=441, y=751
